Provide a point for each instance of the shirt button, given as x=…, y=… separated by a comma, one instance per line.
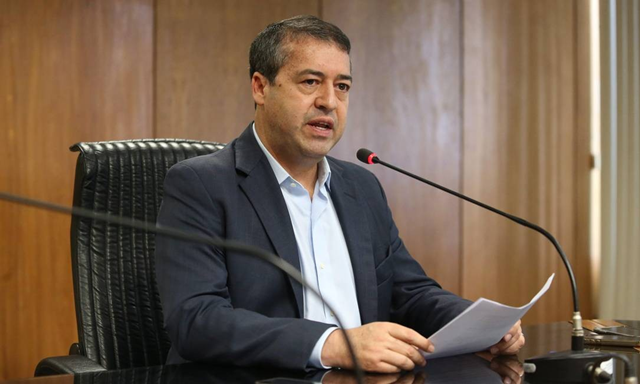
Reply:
x=321, y=265
x=332, y=315
x=292, y=185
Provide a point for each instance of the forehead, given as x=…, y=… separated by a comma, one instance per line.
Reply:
x=309, y=53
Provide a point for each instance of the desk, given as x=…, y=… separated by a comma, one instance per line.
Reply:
x=461, y=369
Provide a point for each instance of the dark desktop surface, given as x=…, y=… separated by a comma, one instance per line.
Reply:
x=472, y=368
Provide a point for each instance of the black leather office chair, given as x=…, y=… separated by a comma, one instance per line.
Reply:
x=120, y=323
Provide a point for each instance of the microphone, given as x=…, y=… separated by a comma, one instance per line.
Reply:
x=367, y=156
x=577, y=340
x=233, y=245
x=550, y=365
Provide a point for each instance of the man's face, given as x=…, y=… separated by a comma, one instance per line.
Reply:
x=304, y=111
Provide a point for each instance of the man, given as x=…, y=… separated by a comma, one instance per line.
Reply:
x=275, y=188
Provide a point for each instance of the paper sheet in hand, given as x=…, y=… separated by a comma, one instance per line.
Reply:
x=480, y=326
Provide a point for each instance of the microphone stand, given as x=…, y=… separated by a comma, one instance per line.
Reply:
x=237, y=246
x=575, y=365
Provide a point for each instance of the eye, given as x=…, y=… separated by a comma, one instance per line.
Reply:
x=311, y=82
x=344, y=87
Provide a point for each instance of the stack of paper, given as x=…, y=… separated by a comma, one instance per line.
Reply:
x=479, y=327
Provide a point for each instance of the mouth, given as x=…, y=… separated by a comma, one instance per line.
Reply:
x=322, y=124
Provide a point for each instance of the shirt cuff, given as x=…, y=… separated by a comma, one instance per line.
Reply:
x=315, y=359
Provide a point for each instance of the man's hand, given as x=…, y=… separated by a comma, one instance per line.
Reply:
x=511, y=343
x=379, y=347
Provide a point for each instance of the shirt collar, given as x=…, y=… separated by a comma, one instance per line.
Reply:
x=324, y=171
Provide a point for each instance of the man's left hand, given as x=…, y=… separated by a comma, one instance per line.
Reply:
x=511, y=343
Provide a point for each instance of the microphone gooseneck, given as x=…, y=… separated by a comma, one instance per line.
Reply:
x=574, y=365
x=233, y=245
x=577, y=343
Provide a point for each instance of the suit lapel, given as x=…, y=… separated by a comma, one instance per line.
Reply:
x=262, y=190
x=358, y=237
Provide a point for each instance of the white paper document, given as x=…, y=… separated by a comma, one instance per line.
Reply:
x=479, y=327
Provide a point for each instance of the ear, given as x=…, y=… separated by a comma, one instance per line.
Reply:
x=259, y=85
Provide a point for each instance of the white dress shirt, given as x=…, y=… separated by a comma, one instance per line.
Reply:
x=324, y=258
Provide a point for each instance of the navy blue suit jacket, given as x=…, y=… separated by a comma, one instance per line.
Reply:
x=232, y=308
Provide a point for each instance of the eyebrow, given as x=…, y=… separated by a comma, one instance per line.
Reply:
x=321, y=74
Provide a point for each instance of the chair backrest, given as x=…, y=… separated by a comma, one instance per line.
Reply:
x=120, y=322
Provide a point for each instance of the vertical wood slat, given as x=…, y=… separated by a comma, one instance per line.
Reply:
x=583, y=169
x=202, y=63
x=69, y=71
x=622, y=150
x=405, y=105
x=519, y=151
x=628, y=159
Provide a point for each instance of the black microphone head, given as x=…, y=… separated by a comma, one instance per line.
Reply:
x=367, y=156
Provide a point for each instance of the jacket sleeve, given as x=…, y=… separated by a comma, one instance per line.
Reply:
x=199, y=316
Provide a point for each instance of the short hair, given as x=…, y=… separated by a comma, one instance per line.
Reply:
x=268, y=51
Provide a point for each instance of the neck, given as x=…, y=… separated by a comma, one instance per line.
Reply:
x=304, y=170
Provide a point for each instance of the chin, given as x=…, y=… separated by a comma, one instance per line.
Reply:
x=314, y=151
x=315, y=155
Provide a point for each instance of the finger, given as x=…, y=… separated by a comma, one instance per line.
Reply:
x=502, y=347
x=508, y=340
x=384, y=367
x=407, y=350
x=397, y=360
x=410, y=336
x=515, y=347
x=511, y=342
x=512, y=348
x=515, y=329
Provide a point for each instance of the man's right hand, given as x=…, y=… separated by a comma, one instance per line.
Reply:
x=379, y=347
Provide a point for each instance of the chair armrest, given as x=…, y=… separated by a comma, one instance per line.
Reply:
x=67, y=364
x=75, y=349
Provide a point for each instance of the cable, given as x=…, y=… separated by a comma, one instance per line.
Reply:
x=181, y=235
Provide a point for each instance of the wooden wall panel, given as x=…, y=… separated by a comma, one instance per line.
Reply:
x=203, y=89
x=523, y=151
x=69, y=71
x=586, y=277
x=486, y=96
x=405, y=104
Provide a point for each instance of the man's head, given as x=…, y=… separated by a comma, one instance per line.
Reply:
x=300, y=79
x=270, y=49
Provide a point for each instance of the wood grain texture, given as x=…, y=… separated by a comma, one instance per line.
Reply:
x=69, y=71
x=483, y=96
x=405, y=105
x=583, y=164
x=203, y=88
x=524, y=151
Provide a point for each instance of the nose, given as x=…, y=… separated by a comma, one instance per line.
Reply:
x=326, y=99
